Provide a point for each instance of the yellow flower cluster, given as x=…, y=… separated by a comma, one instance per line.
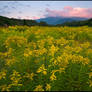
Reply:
x=15, y=78
x=38, y=32
x=42, y=69
x=27, y=52
x=18, y=40
x=53, y=61
x=5, y=87
x=90, y=74
x=62, y=70
x=32, y=45
x=89, y=51
x=69, y=49
x=52, y=77
x=4, y=55
x=3, y=74
x=79, y=59
x=41, y=43
x=50, y=40
x=39, y=88
x=48, y=87
x=52, y=50
x=11, y=61
x=63, y=60
x=61, y=41
x=85, y=45
x=30, y=76
x=39, y=52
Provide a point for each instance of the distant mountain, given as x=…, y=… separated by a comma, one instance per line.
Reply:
x=50, y=21
x=60, y=20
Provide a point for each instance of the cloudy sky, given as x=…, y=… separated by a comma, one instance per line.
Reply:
x=41, y=9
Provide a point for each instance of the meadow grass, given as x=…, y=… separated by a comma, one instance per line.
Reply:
x=45, y=58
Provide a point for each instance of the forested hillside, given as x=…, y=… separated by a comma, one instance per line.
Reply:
x=4, y=21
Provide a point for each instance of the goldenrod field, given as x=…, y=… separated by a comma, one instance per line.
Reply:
x=46, y=58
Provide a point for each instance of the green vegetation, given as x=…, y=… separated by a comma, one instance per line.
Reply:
x=45, y=58
x=77, y=23
x=4, y=21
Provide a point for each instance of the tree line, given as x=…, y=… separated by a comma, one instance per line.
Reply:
x=4, y=21
x=77, y=23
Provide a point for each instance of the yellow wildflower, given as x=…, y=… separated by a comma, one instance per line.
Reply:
x=39, y=88
x=42, y=69
x=30, y=76
x=90, y=74
x=85, y=45
x=11, y=61
x=44, y=72
x=30, y=52
x=90, y=83
x=62, y=70
x=89, y=51
x=53, y=49
x=26, y=55
x=16, y=78
x=3, y=74
x=52, y=77
x=48, y=87
x=27, y=52
x=39, y=52
x=18, y=40
x=61, y=41
x=5, y=88
x=85, y=61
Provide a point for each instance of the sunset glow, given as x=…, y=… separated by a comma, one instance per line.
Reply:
x=42, y=9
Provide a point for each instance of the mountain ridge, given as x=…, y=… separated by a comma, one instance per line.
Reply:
x=60, y=20
x=5, y=21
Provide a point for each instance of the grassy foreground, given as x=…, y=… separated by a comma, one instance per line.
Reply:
x=45, y=58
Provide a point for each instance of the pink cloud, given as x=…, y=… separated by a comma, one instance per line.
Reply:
x=35, y=17
x=29, y=17
x=69, y=11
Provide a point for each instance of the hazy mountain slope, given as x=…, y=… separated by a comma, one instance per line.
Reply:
x=59, y=20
